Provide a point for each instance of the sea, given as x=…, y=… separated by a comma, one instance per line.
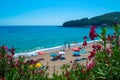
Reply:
x=31, y=38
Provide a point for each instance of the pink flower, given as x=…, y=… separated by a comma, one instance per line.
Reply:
x=8, y=62
x=16, y=62
x=5, y=47
x=90, y=65
x=109, y=50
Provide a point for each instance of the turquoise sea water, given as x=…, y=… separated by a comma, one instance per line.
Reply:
x=30, y=38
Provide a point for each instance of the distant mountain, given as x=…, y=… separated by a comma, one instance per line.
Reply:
x=107, y=19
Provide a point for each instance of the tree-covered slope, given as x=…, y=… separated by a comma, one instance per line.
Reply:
x=107, y=18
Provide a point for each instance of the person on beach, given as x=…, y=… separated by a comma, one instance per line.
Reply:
x=68, y=46
x=61, y=53
x=64, y=44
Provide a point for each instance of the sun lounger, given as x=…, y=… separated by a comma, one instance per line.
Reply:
x=79, y=59
x=83, y=51
x=56, y=57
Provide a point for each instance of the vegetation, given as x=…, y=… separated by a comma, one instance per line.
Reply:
x=103, y=62
x=106, y=19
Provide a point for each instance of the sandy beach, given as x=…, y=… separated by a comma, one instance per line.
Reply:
x=58, y=63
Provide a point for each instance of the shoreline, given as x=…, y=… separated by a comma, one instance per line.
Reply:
x=35, y=52
x=55, y=66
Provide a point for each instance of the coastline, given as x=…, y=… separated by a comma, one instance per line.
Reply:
x=35, y=52
x=57, y=64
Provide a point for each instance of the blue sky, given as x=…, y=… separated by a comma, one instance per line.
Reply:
x=52, y=12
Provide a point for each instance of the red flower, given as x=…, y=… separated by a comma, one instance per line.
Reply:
x=12, y=50
x=85, y=37
x=99, y=47
x=3, y=78
x=113, y=37
x=10, y=56
x=84, y=43
x=1, y=55
x=93, y=46
x=96, y=47
x=92, y=54
x=83, y=71
x=70, y=61
x=93, y=27
x=95, y=35
x=109, y=37
x=92, y=33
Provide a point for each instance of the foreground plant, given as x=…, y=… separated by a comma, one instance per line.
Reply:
x=107, y=60
x=103, y=59
x=17, y=69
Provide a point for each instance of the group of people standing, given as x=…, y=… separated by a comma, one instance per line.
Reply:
x=65, y=46
x=69, y=45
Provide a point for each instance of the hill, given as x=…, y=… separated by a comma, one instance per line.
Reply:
x=108, y=18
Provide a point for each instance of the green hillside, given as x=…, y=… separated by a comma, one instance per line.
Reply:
x=107, y=18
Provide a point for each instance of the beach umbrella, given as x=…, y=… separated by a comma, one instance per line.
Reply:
x=41, y=53
x=76, y=53
x=82, y=51
x=76, y=49
x=37, y=65
x=61, y=53
x=53, y=55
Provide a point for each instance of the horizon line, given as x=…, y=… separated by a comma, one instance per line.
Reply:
x=31, y=25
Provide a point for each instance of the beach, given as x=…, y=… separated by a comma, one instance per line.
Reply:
x=58, y=63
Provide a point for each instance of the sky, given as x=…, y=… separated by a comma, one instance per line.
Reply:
x=52, y=12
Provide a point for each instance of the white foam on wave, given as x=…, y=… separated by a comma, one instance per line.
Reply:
x=34, y=53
